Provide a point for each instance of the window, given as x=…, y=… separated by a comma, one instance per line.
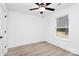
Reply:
x=62, y=26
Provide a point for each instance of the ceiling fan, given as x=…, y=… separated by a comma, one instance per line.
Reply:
x=42, y=7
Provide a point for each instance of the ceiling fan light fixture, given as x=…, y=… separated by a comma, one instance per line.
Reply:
x=41, y=9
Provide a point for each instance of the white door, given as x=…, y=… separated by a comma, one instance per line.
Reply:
x=2, y=33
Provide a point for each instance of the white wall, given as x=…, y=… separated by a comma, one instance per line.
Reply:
x=71, y=44
x=24, y=29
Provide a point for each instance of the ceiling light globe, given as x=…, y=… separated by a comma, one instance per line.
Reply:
x=41, y=9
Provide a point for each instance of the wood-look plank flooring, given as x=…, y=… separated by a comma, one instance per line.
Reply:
x=39, y=49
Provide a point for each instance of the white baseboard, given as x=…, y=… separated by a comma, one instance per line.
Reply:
x=16, y=45
x=66, y=48
x=73, y=51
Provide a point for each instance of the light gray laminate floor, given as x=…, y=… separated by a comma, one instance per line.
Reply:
x=39, y=49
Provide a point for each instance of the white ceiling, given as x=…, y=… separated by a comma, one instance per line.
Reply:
x=24, y=8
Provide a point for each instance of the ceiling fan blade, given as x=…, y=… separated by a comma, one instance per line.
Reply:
x=51, y=9
x=41, y=12
x=37, y=4
x=48, y=4
x=33, y=8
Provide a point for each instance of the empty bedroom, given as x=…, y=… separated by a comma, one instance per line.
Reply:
x=39, y=29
